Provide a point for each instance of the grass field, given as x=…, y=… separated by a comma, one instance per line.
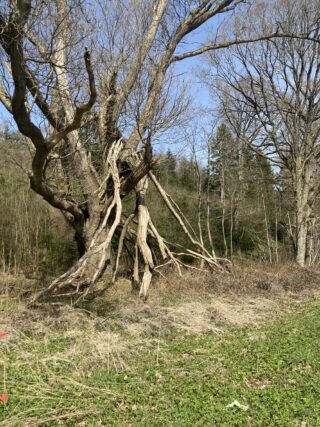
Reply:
x=77, y=369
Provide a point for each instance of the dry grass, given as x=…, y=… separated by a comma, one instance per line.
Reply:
x=201, y=303
x=49, y=355
x=247, y=279
x=194, y=303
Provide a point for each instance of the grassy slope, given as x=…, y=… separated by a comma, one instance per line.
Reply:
x=57, y=375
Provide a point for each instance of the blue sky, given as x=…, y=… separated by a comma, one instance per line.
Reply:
x=4, y=115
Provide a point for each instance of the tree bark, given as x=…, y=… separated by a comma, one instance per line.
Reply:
x=303, y=206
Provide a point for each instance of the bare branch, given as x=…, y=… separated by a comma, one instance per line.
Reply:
x=159, y=10
x=235, y=42
x=84, y=108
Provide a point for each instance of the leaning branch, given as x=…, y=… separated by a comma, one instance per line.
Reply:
x=195, y=242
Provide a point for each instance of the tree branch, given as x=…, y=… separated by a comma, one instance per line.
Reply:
x=40, y=101
x=140, y=58
x=230, y=43
x=76, y=122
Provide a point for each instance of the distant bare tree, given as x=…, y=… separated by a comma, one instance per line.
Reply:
x=271, y=97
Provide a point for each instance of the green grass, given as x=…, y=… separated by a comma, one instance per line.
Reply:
x=58, y=378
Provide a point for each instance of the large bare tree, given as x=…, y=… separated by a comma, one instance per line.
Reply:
x=88, y=84
x=271, y=97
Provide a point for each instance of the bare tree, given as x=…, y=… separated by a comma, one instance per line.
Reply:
x=276, y=86
x=92, y=121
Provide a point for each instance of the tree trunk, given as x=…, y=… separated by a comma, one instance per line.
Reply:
x=94, y=238
x=310, y=251
x=86, y=271
x=301, y=232
x=304, y=199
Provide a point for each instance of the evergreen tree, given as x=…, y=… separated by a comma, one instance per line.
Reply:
x=186, y=174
